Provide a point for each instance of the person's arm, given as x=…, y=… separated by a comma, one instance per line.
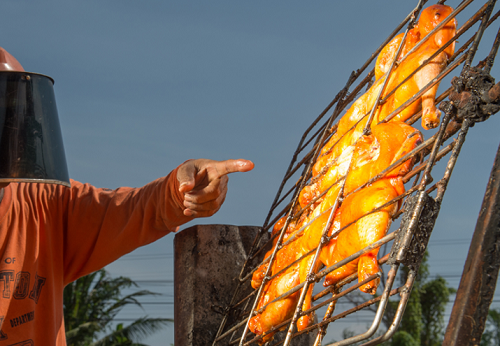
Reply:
x=103, y=225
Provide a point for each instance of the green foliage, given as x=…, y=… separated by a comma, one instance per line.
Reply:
x=434, y=295
x=92, y=302
x=412, y=323
x=348, y=333
x=423, y=319
x=491, y=335
x=402, y=338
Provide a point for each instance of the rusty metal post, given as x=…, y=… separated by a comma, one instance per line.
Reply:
x=207, y=264
x=480, y=273
x=207, y=259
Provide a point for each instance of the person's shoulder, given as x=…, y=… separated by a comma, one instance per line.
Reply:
x=38, y=189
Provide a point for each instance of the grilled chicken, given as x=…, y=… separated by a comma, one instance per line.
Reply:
x=374, y=153
x=288, y=276
x=371, y=155
x=356, y=158
x=351, y=125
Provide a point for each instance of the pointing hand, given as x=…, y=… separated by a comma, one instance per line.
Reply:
x=204, y=184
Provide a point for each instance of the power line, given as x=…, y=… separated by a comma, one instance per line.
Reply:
x=154, y=256
x=441, y=242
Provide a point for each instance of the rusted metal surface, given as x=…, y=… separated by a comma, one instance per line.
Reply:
x=480, y=274
x=420, y=237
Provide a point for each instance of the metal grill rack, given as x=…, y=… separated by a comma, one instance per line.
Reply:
x=406, y=242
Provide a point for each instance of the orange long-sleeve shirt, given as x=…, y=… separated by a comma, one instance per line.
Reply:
x=51, y=235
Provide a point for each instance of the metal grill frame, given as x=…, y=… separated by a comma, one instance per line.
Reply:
x=430, y=151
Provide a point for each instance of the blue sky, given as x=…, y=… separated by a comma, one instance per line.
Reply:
x=142, y=86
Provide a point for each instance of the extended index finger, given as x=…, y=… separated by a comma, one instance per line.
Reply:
x=222, y=168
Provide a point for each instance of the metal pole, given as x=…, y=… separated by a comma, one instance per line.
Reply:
x=480, y=273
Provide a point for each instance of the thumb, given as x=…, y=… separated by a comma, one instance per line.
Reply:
x=231, y=166
x=186, y=176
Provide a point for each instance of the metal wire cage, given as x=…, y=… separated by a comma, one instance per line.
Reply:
x=473, y=98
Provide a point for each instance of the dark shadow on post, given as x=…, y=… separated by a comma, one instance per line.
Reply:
x=208, y=261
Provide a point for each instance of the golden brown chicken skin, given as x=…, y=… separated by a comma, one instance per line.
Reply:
x=387, y=143
x=283, y=309
x=352, y=124
x=373, y=154
x=356, y=158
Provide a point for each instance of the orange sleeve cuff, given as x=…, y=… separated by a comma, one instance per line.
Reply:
x=172, y=207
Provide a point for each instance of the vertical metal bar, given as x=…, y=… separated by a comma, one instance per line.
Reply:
x=421, y=195
x=415, y=13
x=367, y=129
x=493, y=53
x=480, y=274
x=315, y=259
x=443, y=183
x=479, y=34
x=405, y=296
x=379, y=314
x=329, y=312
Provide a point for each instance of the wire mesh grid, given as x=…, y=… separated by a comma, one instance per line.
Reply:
x=292, y=215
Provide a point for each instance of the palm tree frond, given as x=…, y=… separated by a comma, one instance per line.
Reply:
x=138, y=330
x=82, y=332
x=92, y=302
